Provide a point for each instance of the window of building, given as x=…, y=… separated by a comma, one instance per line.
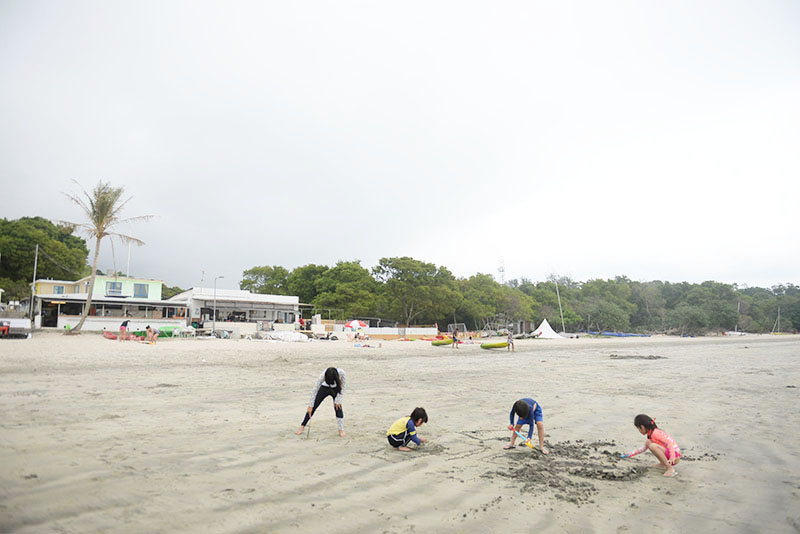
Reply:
x=140, y=290
x=114, y=288
x=58, y=290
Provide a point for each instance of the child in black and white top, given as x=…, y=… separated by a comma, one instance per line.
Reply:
x=330, y=383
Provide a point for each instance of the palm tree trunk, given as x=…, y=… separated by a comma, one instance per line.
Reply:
x=88, y=306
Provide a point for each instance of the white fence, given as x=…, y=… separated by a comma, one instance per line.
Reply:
x=386, y=331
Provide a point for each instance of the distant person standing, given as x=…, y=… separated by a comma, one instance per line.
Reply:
x=455, y=338
x=123, y=330
x=510, y=346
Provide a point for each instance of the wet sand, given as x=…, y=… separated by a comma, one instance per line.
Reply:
x=198, y=436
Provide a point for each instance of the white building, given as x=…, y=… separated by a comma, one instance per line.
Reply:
x=238, y=309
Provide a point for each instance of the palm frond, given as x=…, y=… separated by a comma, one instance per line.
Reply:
x=135, y=219
x=126, y=238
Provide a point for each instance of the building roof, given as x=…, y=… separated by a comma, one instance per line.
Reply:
x=86, y=278
x=122, y=278
x=233, y=295
x=81, y=297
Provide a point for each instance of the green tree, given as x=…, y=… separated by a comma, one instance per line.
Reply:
x=605, y=315
x=266, y=280
x=546, y=301
x=480, y=296
x=416, y=290
x=515, y=304
x=484, y=298
x=347, y=301
x=650, y=313
x=688, y=319
x=15, y=289
x=102, y=209
x=62, y=256
x=168, y=292
x=302, y=281
x=606, y=303
x=349, y=288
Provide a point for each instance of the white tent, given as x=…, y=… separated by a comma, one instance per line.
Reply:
x=545, y=331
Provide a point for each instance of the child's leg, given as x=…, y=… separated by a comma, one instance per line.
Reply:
x=337, y=408
x=321, y=394
x=406, y=441
x=659, y=452
x=517, y=427
x=399, y=441
x=540, y=431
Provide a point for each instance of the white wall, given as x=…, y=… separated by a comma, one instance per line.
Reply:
x=431, y=331
x=98, y=324
x=386, y=331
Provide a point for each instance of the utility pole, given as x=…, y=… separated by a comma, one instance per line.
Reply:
x=563, y=328
x=214, y=320
x=33, y=284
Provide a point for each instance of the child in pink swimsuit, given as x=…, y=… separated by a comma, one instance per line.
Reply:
x=659, y=443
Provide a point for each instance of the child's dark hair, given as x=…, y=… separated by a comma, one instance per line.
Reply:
x=332, y=377
x=419, y=413
x=522, y=408
x=646, y=421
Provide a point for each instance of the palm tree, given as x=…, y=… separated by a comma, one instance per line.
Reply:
x=102, y=208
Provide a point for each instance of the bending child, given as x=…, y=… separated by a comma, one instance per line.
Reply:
x=404, y=430
x=529, y=412
x=330, y=383
x=659, y=443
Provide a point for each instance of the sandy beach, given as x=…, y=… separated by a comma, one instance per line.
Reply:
x=198, y=436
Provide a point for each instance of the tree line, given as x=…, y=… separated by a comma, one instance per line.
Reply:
x=411, y=291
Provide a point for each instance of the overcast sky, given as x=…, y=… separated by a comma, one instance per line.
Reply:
x=657, y=140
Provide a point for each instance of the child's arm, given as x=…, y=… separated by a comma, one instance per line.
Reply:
x=338, y=399
x=640, y=450
x=412, y=432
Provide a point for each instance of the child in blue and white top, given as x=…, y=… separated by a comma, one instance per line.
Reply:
x=330, y=383
x=528, y=412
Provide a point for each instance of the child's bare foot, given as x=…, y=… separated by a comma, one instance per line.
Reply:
x=507, y=447
x=342, y=434
x=300, y=431
x=404, y=449
x=670, y=472
x=545, y=450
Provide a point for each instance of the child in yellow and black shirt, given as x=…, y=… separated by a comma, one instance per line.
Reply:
x=404, y=430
